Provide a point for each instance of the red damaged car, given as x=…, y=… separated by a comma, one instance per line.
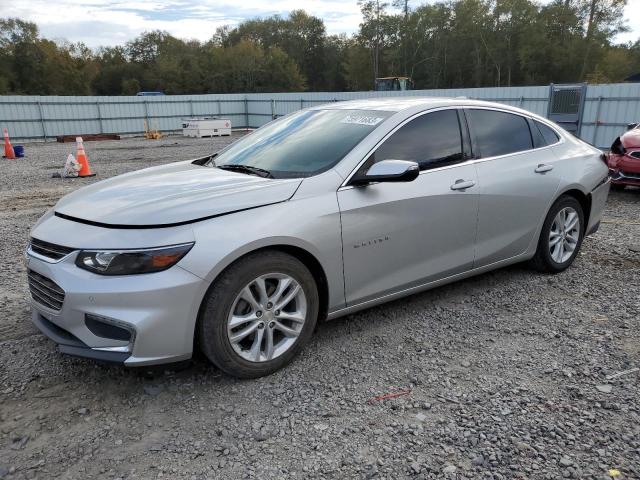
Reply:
x=624, y=159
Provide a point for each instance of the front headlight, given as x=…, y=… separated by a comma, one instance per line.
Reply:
x=130, y=262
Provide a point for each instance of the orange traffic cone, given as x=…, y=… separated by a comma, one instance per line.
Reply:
x=83, y=160
x=8, y=149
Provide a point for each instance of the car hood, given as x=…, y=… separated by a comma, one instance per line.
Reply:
x=169, y=195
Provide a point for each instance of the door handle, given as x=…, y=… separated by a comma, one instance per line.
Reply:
x=462, y=184
x=543, y=167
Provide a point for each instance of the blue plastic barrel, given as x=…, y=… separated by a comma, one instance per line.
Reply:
x=18, y=150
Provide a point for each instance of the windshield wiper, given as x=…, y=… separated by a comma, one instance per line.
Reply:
x=261, y=172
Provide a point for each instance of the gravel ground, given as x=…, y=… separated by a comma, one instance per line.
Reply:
x=502, y=376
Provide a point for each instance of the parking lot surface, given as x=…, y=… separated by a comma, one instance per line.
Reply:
x=501, y=376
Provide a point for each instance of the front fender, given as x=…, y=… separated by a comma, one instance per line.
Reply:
x=311, y=224
x=258, y=244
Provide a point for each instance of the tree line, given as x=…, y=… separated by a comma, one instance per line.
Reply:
x=447, y=44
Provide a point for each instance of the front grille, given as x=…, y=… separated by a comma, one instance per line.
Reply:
x=630, y=175
x=45, y=291
x=49, y=250
x=635, y=154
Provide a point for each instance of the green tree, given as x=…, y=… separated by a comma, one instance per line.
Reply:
x=447, y=43
x=129, y=86
x=604, y=20
x=373, y=31
x=358, y=67
x=301, y=36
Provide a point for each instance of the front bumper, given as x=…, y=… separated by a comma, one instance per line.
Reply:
x=70, y=345
x=624, y=170
x=622, y=177
x=159, y=309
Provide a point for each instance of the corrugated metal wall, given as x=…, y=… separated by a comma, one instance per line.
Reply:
x=38, y=117
x=261, y=106
x=608, y=109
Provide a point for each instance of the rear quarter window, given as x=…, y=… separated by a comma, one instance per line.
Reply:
x=550, y=137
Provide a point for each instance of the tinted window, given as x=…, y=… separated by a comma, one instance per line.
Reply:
x=433, y=140
x=499, y=133
x=538, y=139
x=304, y=143
x=550, y=137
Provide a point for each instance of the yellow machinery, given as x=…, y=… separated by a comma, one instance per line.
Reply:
x=151, y=134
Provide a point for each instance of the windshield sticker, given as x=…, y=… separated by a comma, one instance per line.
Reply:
x=361, y=120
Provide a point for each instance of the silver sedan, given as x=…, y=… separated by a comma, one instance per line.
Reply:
x=316, y=215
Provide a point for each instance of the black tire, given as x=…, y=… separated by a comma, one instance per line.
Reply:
x=542, y=260
x=618, y=187
x=212, y=323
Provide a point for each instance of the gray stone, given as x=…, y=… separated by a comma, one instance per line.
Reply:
x=449, y=469
x=566, y=461
x=152, y=390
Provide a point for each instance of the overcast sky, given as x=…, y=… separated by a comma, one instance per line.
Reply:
x=111, y=22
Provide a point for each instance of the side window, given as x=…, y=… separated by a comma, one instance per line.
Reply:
x=536, y=135
x=432, y=140
x=550, y=137
x=499, y=133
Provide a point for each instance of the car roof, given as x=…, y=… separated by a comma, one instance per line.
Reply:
x=397, y=104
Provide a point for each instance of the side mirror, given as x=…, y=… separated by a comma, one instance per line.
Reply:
x=389, y=171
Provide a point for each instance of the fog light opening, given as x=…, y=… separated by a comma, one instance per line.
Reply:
x=108, y=328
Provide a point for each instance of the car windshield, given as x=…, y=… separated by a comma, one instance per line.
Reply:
x=300, y=145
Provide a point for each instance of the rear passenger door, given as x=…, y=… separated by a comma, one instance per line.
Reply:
x=517, y=182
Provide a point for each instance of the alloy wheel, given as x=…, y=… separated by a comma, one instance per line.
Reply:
x=564, y=235
x=267, y=317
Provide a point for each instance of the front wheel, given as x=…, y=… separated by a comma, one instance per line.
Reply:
x=258, y=314
x=561, y=236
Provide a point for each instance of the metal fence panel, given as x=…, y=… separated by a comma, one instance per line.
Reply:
x=608, y=108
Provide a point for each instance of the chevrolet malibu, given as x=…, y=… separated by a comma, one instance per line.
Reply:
x=316, y=215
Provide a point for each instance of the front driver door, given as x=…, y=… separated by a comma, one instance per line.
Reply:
x=400, y=235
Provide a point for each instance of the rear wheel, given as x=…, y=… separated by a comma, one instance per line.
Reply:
x=561, y=236
x=618, y=187
x=258, y=314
